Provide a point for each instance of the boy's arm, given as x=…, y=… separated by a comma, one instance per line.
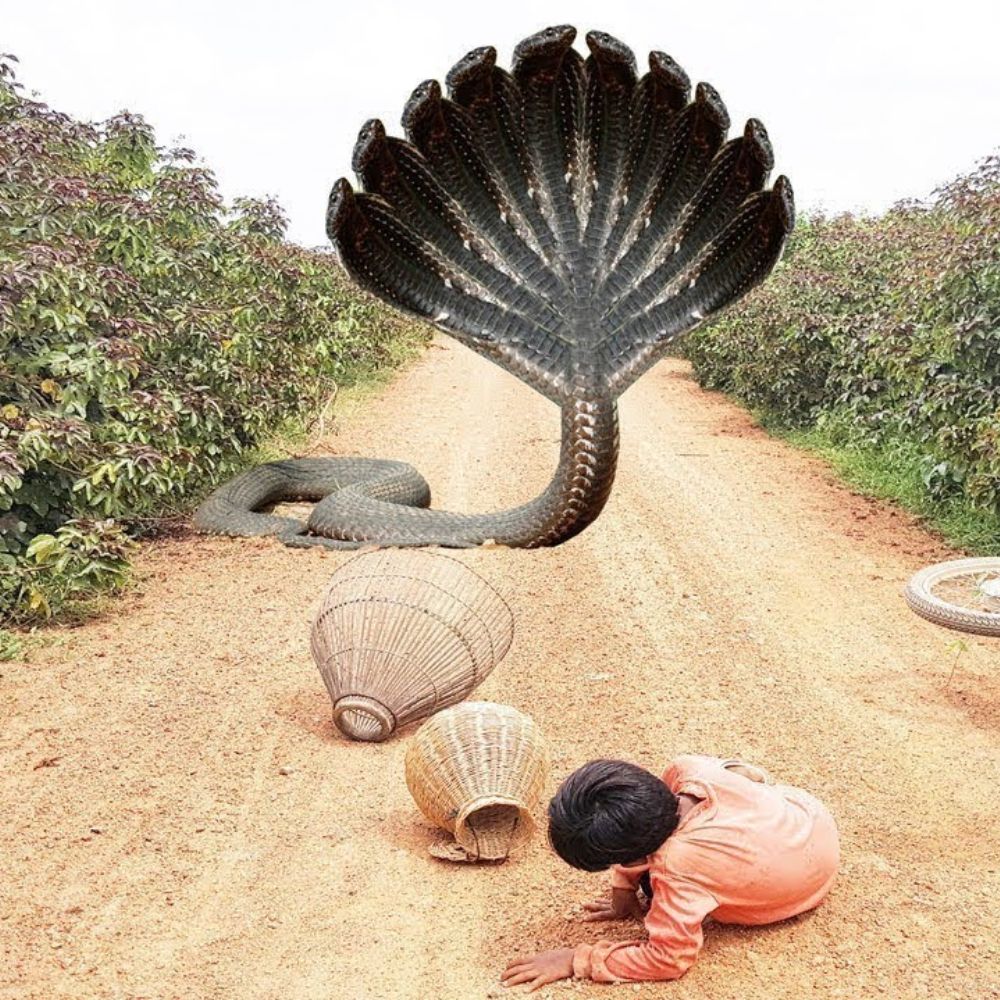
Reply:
x=624, y=901
x=625, y=877
x=675, y=938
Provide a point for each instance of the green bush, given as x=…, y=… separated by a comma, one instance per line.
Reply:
x=11, y=646
x=882, y=329
x=150, y=340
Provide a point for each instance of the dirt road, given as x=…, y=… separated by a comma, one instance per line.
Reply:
x=731, y=600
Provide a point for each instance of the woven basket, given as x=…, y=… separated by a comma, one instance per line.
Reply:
x=401, y=633
x=478, y=770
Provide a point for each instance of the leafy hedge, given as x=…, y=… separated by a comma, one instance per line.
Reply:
x=882, y=329
x=150, y=340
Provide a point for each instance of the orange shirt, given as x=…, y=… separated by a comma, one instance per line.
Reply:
x=748, y=853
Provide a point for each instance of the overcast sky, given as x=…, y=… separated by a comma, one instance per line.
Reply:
x=866, y=102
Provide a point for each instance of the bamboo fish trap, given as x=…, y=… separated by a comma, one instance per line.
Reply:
x=478, y=771
x=401, y=633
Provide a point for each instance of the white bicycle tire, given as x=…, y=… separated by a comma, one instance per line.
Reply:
x=919, y=594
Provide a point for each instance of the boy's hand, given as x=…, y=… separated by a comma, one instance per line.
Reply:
x=624, y=903
x=545, y=967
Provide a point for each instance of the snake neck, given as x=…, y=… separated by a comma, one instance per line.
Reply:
x=587, y=463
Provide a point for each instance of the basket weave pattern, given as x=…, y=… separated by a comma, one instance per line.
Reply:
x=401, y=633
x=478, y=771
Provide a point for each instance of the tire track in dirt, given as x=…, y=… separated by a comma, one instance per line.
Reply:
x=731, y=599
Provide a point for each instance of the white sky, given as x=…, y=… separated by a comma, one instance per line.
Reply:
x=866, y=102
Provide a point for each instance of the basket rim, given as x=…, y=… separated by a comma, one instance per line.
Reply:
x=520, y=835
x=369, y=706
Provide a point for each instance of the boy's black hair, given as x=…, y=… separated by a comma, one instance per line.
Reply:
x=610, y=812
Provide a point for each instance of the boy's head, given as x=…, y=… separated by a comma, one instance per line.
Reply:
x=610, y=812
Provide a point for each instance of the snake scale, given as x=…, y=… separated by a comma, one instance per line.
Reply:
x=567, y=220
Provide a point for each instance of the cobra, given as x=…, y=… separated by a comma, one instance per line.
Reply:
x=567, y=220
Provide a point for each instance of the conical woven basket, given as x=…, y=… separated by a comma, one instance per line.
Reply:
x=478, y=770
x=401, y=633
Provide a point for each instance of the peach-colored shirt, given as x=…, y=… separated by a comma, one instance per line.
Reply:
x=748, y=853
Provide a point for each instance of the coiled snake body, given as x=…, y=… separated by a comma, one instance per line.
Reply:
x=566, y=220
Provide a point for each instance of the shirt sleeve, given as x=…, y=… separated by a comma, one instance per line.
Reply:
x=675, y=937
x=689, y=766
x=627, y=877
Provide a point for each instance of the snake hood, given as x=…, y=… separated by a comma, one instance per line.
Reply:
x=567, y=219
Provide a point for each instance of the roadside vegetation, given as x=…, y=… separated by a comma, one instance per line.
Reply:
x=153, y=342
x=876, y=343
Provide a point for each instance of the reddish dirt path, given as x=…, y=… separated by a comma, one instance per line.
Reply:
x=732, y=599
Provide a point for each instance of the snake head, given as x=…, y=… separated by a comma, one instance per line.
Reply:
x=541, y=55
x=470, y=80
x=343, y=219
x=614, y=60
x=370, y=147
x=423, y=116
x=671, y=85
x=784, y=201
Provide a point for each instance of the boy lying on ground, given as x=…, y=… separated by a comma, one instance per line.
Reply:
x=712, y=837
